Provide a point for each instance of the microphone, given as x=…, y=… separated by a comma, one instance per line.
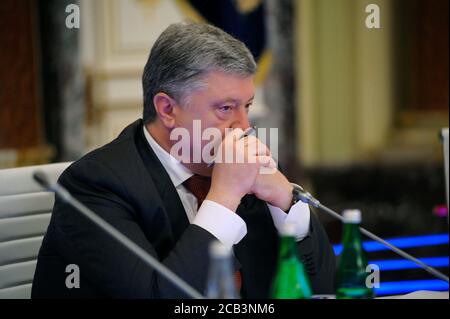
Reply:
x=307, y=198
x=42, y=180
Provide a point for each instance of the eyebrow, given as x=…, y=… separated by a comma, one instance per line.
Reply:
x=231, y=100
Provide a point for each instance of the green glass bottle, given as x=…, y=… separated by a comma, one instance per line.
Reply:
x=291, y=280
x=351, y=271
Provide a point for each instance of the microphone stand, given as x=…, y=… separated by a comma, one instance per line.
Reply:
x=307, y=198
x=42, y=179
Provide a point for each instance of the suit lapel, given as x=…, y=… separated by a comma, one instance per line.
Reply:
x=169, y=195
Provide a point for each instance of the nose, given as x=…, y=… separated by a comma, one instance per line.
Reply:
x=240, y=118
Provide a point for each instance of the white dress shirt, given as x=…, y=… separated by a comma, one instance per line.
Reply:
x=224, y=224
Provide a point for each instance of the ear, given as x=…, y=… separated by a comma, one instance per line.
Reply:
x=164, y=106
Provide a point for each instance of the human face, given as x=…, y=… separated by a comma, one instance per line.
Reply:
x=222, y=103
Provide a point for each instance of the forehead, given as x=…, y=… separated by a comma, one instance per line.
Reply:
x=220, y=85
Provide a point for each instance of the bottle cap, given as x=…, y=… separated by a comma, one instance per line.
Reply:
x=217, y=249
x=288, y=229
x=352, y=216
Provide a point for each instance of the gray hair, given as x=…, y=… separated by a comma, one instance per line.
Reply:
x=183, y=54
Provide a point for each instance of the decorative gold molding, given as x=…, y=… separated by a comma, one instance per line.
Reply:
x=29, y=156
x=111, y=73
x=247, y=6
x=264, y=64
x=149, y=3
x=420, y=119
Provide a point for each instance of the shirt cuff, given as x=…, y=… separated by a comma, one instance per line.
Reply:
x=227, y=226
x=298, y=214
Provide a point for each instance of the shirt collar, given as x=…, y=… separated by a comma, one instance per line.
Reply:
x=178, y=173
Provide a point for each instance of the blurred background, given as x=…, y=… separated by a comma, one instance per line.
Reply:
x=358, y=110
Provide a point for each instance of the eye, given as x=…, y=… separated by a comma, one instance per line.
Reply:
x=226, y=108
x=247, y=107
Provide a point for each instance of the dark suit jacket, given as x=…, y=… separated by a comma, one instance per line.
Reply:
x=125, y=184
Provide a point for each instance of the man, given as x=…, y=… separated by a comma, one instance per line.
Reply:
x=174, y=208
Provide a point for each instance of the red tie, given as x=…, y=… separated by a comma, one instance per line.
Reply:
x=199, y=186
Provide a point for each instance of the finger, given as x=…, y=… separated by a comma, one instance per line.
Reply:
x=256, y=147
x=268, y=165
x=263, y=149
x=249, y=139
x=229, y=140
x=273, y=164
x=237, y=133
x=265, y=161
x=231, y=135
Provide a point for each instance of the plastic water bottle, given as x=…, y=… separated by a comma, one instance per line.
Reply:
x=220, y=284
